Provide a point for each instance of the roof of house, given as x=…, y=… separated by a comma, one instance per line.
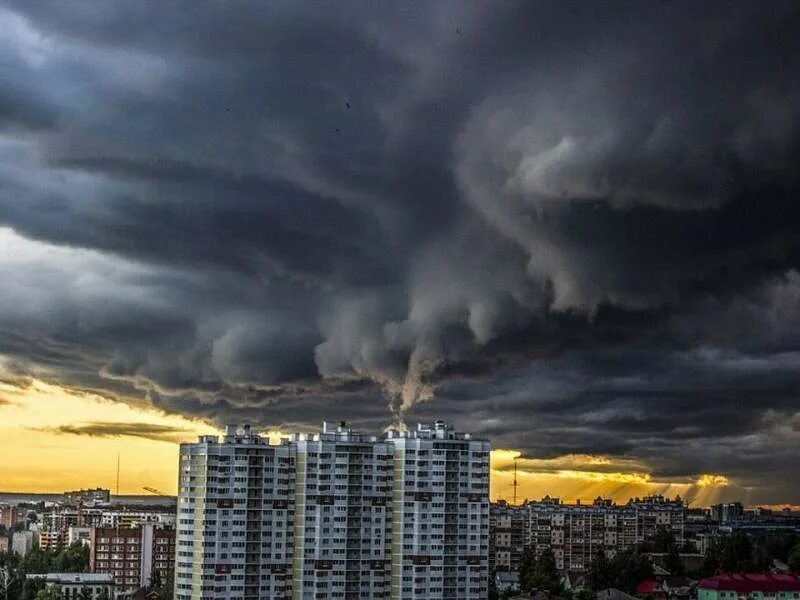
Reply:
x=613, y=594
x=507, y=577
x=78, y=578
x=648, y=586
x=752, y=582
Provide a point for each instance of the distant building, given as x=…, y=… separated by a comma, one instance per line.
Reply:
x=727, y=512
x=577, y=532
x=130, y=518
x=131, y=554
x=51, y=540
x=751, y=586
x=71, y=585
x=97, y=495
x=23, y=542
x=508, y=526
x=10, y=515
x=5, y=544
x=79, y=534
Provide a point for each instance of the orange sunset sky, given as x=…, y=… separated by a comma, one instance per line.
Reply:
x=43, y=454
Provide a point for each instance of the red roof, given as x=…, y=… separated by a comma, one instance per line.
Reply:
x=648, y=586
x=752, y=582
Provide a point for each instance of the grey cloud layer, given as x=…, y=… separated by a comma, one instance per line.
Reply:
x=576, y=229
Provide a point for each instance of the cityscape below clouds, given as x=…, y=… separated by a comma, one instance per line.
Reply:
x=437, y=300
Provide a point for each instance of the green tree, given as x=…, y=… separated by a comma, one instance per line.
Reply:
x=673, y=562
x=104, y=594
x=49, y=592
x=167, y=589
x=545, y=575
x=30, y=588
x=663, y=540
x=493, y=593
x=794, y=559
x=736, y=553
x=631, y=567
x=601, y=574
x=527, y=564
x=86, y=593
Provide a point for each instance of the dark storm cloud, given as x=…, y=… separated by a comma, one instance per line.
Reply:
x=161, y=433
x=575, y=230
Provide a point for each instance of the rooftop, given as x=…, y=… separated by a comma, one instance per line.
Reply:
x=64, y=578
x=752, y=582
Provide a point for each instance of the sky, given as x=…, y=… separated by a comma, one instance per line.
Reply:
x=571, y=229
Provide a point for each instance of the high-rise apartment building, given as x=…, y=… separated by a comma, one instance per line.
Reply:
x=343, y=498
x=440, y=520
x=338, y=514
x=235, y=532
x=577, y=532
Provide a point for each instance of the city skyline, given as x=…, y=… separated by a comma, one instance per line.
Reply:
x=573, y=230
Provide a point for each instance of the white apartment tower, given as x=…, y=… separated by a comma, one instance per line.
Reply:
x=440, y=520
x=235, y=518
x=334, y=515
x=343, y=515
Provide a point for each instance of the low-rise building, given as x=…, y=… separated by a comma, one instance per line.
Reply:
x=72, y=585
x=5, y=544
x=750, y=586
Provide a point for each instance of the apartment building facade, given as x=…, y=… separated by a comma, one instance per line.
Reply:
x=10, y=515
x=577, y=532
x=343, y=515
x=131, y=555
x=338, y=514
x=440, y=526
x=236, y=508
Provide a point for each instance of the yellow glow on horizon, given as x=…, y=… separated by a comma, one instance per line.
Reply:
x=38, y=457
x=53, y=439
x=584, y=477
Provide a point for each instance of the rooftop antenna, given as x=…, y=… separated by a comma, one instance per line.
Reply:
x=515, y=485
x=117, y=474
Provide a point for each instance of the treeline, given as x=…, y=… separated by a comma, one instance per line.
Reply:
x=739, y=552
x=736, y=553
x=69, y=559
x=623, y=571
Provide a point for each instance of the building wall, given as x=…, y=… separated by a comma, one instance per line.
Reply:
x=343, y=516
x=577, y=532
x=22, y=542
x=117, y=552
x=334, y=515
x=440, y=529
x=10, y=515
x=235, y=519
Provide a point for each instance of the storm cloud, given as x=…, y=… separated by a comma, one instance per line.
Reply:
x=574, y=229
